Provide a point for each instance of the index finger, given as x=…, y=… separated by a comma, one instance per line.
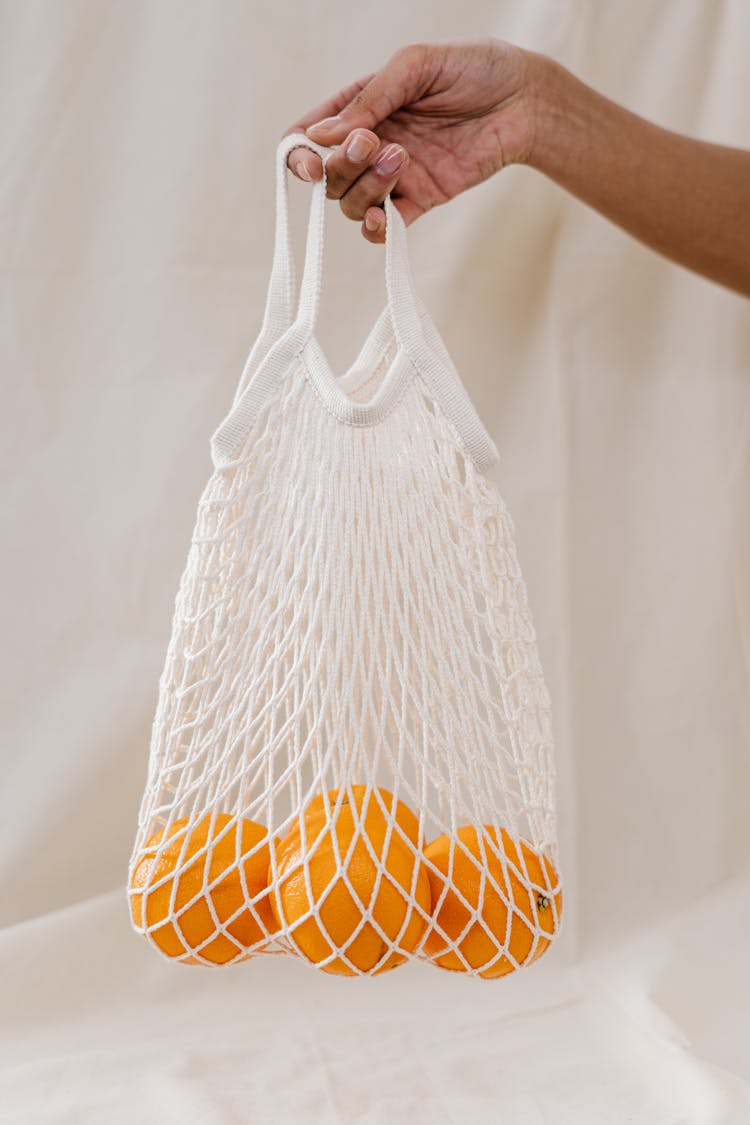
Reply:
x=302, y=158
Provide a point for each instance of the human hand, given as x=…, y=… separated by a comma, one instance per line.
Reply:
x=437, y=119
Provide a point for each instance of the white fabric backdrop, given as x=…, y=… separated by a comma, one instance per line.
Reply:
x=136, y=206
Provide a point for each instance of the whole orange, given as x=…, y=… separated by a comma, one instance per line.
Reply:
x=179, y=894
x=507, y=916
x=351, y=869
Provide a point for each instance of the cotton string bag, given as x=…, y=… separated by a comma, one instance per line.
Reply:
x=351, y=759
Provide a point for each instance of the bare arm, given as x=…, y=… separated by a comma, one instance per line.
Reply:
x=454, y=113
x=685, y=198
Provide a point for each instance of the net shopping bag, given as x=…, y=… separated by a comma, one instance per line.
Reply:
x=351, y=759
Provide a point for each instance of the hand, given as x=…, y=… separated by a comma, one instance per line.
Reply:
x=435, y=120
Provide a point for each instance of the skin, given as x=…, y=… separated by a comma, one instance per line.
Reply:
x=457, y=112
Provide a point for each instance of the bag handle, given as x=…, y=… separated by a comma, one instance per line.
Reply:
x=412, y=325
x=280, y=340
x=279, y=309
x=402, y=301
x=281, y=335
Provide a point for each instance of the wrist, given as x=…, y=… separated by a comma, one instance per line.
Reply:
x=559, y=112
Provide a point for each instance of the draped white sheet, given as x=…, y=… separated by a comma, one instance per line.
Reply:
x=136, y=206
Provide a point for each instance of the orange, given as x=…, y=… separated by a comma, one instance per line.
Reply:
x=179, y=870
x=406, y=822
x=529, y=893
x=341, y=888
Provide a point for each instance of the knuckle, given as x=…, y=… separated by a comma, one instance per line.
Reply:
x=410, y=52
x=334, y=188
x=336, y=182
x=350, y=208
x=359, y=100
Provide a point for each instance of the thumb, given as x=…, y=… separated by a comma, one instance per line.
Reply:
x=390, y=88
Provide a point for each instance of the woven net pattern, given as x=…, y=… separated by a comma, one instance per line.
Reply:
x=352, y=612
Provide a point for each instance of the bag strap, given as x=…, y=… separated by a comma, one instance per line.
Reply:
x=282, y=338
x=279, y=309
x=402, y=300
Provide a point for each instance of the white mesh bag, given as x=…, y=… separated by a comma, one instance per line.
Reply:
x=351, y=759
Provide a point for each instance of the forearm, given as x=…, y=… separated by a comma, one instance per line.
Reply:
x=687, y=199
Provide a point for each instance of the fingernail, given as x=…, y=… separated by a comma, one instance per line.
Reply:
x=303, y=171
x=390, y=160
x=360, y=148
x=372, y=222
x=326, y=124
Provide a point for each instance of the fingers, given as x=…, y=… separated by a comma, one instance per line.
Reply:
x=350, y=160
x=360, y=173
x=394, y=85
x=373, y=227
x=343, y=166
x=303, y=162
x=375, y=182
x=330, y=105
x=362, y=105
